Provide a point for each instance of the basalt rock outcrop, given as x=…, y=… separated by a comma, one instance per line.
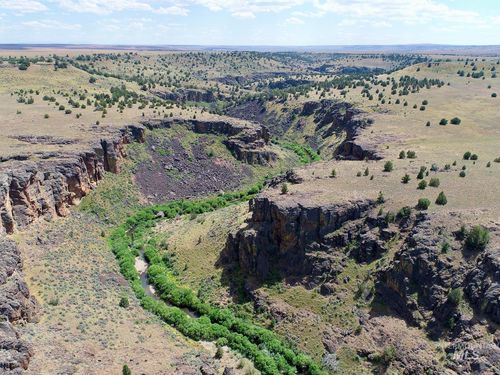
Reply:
x=47, y=187
x=16, y=305
x=344, y=121
x=419, y=280
x=292, y=239
x=188, y=95
x=247, y=141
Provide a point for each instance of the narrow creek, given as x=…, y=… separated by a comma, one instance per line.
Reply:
x=141, y=266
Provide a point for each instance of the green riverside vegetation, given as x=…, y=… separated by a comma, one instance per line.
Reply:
x=269, y=353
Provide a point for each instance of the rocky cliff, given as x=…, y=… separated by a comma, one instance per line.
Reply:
x=47, y=187
x=16, y=305
x=188, y=95
x=247, y=141
x=292, y=238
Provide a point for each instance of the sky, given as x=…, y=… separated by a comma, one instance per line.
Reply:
x=250, y=22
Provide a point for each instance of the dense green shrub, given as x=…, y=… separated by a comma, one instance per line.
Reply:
x=455, y=296
x=411, y=154
x=441, y=199
x=423, y=204
x=404, y=212
x=126, y=370
x=462, y=174
x=474, y=157
x=477, y=238
x=443, y=121
x=388, y=166
x=406, y=178
x=422, y=185
x=402, y=154
x=455, y=121
x=434, y=182
x=467, y=155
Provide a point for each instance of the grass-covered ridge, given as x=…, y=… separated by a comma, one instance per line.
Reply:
x=269, y=353
x=305, y=153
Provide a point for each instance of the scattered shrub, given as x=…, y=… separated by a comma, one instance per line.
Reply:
x=124, y=302
x=422, y=185
x=443, y=121
x=126, y=370
x=477, y=238
x=402, y=154
x=284, y=188
x=441, y=199
x=411, y=154
x=434, y=182
x=388, y=166
x=46, y=115
x=404, y=212
x=380, y=198
x=366, y=172
x=455, y=296
x=467, y=155
x=333, y=173
x=455, y=121
x=406, y=178
x=423, y=204
x=462, y=174
x=474, y=157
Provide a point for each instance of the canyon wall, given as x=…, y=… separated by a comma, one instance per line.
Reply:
x=48, y=187
x=247, y=141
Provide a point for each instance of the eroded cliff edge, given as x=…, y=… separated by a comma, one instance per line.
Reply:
x=17, y=306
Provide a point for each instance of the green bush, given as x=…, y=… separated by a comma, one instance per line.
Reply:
x=284, y=188
x=441, y=199
x=467, y=155
x=477, y=238
x=455, y=296
x=423, y=204
x=126, y=370
x=406, y=178
x=124, y=302
x=434, y=182
x=404, y=212
x=388, y=166
x=380, y=198
x=422, y=185
x=474, y=157
x=333, y=173
x=411, y=154
x=443, y=121
x=462, y=174
x=455, y=121
x=402, y=154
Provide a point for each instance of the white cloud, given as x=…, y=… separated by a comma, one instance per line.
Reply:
x=104, y=6
x=294, y=21
x=173, y=10
x=23, y=6
x=52, y=24
x=238, y=7
x=408, y=11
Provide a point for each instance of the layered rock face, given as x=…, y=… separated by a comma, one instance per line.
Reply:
x=16, y=305
x=290, y=238
x=420, y=277
x=247, y=141
x=343, y=120
x=32, y=189
x=187, y=95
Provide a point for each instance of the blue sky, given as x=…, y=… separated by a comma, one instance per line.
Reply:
x=250, y=22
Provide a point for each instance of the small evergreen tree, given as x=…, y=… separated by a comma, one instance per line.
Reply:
x=388, y=166
x=441, y=199
x=406, y=178
x=423, y=204
x=126, y=370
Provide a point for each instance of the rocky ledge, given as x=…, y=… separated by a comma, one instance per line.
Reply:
x=16, y=306
x=46, y=188
x=247, y=141
x=291, y=238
